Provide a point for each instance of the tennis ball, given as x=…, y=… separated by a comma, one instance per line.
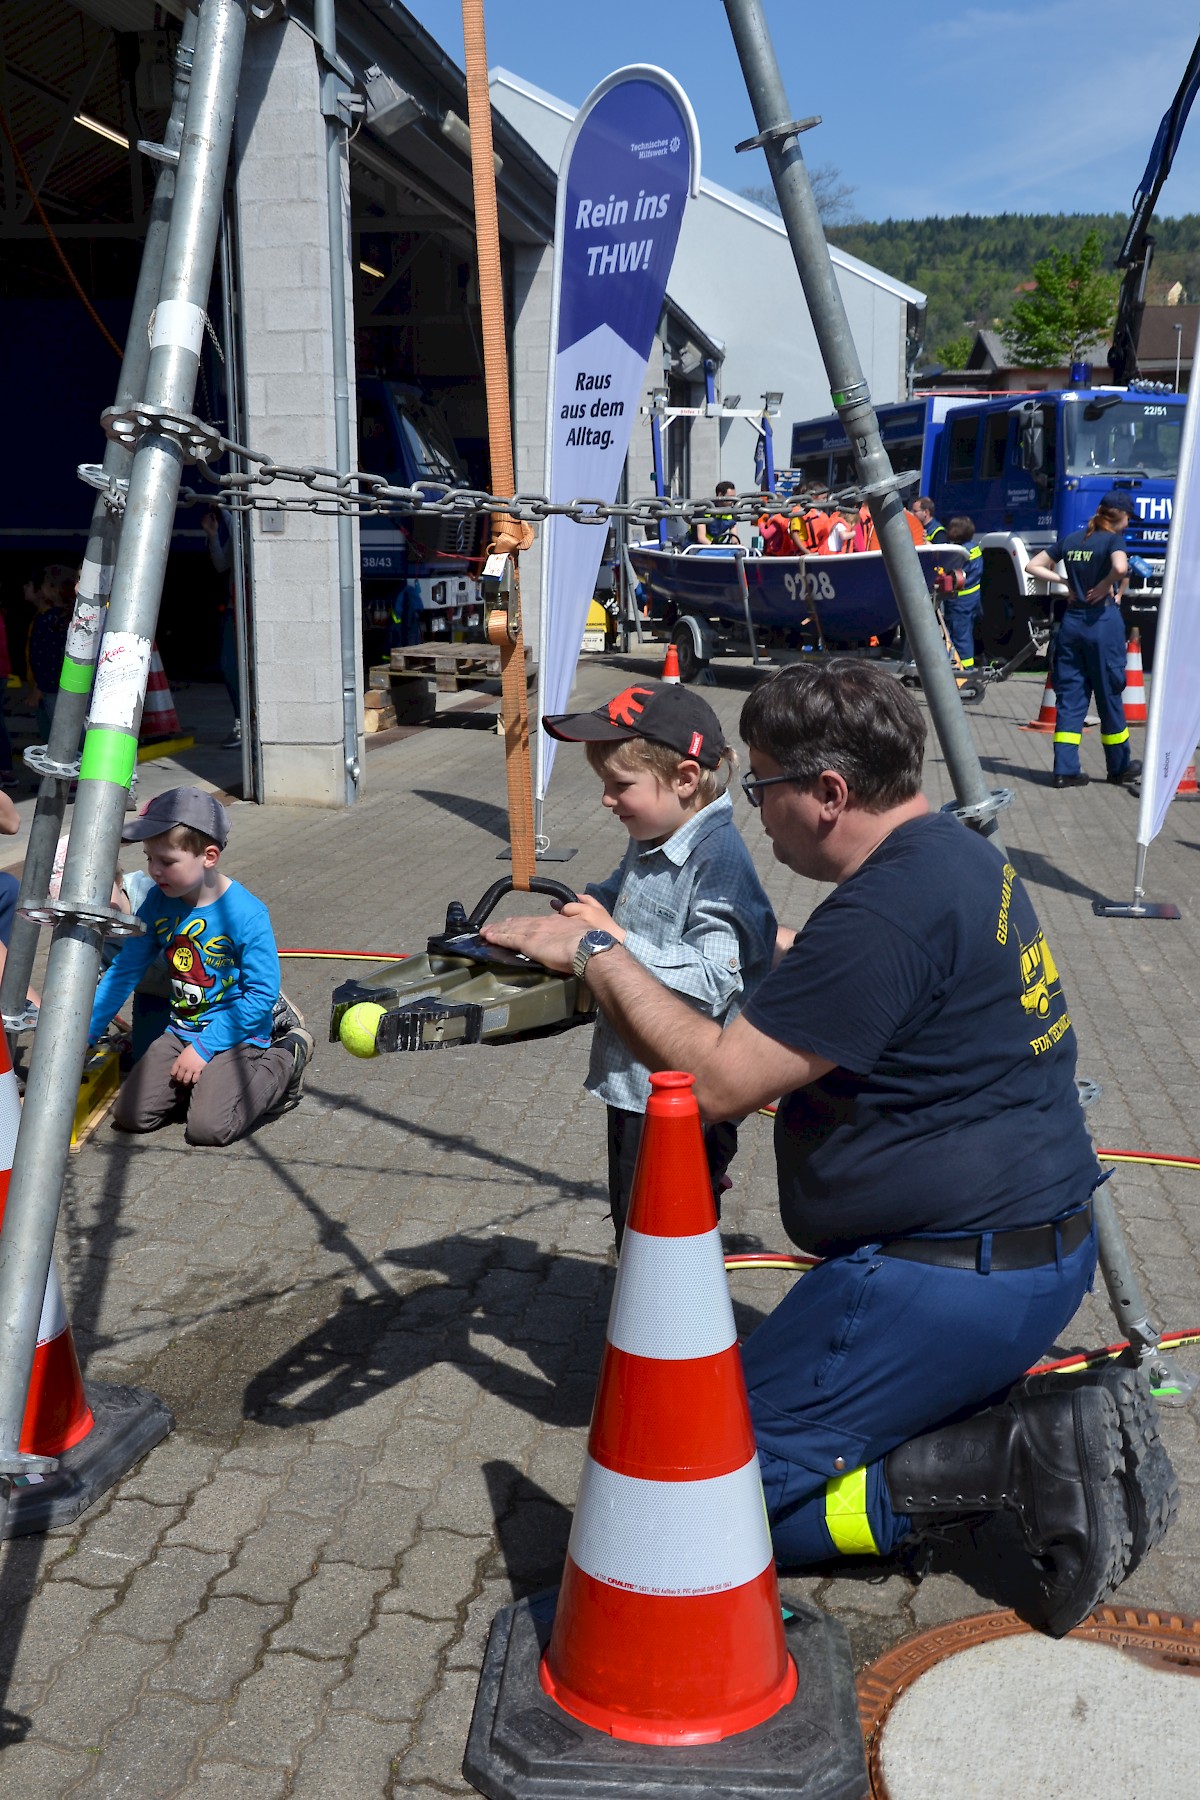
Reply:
x=358, y=1027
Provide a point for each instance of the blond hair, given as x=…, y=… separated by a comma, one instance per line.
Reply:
x=632, y=754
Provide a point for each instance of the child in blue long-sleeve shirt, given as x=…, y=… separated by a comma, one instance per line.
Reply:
x=216, y=1062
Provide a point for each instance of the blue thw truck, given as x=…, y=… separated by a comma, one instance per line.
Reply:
x=1027, y=469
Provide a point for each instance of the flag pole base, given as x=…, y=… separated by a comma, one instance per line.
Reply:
x=522, y=1746
x=1135, y=909
x=129, y=1422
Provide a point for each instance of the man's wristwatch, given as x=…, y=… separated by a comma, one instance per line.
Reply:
x=590, y=944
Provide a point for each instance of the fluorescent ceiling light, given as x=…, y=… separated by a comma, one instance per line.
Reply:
x=370, y=269
x=104, y=131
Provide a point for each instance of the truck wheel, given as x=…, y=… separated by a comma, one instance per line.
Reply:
x=690, y=664
x=1007, y=609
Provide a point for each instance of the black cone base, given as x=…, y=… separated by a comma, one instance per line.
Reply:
x=129, y=1422
x=522, y=1746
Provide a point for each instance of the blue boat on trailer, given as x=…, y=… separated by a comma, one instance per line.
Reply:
x=717, y=599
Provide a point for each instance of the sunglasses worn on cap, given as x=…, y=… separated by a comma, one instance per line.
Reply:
x=751, y=785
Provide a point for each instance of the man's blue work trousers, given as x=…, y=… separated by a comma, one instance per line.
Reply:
x=868, y=1351
x=1089, y=658
x=960, y=613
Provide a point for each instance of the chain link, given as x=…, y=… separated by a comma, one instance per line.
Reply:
x=359, y=493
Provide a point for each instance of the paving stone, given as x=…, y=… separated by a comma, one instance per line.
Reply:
x=353, y=1759
x=281, y=1554
x=151, y=1751
x=377, y=1528
x=164, y=1594
x=434, y=1575
x=36, y=1639
x=218, y=1649
x=395, y=1667
x=172, y=1472
x=278, y=1709
x=331, y=1611
x=39, y=1769
x=110, y=1547
x=223, y=1512
x=94, y=1690
x=232, y=1781
x=434, y=1762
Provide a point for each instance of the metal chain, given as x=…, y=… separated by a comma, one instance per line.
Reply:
x=362, y=494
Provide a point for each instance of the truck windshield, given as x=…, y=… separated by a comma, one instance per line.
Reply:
x=1134, y=437
x=429, y=459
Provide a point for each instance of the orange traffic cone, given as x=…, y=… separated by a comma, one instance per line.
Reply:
x=1188, y=789
x=159, y=718
x=1135, y=682
x=1047, y=718
x=670, y=668
x=668, y=1628
x=57, y=1415
x=97, y=1436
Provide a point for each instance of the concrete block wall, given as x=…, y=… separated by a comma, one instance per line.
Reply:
x=284, y=232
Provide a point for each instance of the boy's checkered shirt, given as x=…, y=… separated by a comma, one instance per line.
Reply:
x=695, y=914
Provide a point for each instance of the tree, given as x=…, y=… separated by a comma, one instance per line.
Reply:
x=1073, y=304
x=831, y=193
x=954, y=352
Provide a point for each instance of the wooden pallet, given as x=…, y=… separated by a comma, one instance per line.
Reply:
x=453, y=666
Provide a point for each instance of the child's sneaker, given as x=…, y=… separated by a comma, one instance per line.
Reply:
x=284, y=1018
x=302, y=1045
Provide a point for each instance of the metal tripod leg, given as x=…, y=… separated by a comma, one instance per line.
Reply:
x=1170, y=1384
x=165, y=433
x=58, y=761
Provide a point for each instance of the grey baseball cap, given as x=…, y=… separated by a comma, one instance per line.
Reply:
x=179, y=806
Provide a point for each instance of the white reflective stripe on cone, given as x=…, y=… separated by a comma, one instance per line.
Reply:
x=10, y=1117
x=672, y=1297
x=670, y=1537
x=53, y=1321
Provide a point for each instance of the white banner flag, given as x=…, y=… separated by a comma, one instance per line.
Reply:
x=628, y=167
x=1173, y=719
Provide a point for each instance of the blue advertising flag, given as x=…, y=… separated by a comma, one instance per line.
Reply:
x=629, y=165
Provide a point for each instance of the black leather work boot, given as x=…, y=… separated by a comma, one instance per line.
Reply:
x=1054, y=1459
x=1151, y=1490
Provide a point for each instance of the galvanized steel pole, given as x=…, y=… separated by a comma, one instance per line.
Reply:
x=779, y=138
x=95, y=577
x=334, y=95
x=110, y=748
x=977, y=805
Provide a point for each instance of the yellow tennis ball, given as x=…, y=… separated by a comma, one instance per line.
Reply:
x=358, y=1027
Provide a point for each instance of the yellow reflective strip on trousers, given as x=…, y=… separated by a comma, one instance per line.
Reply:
x=1117, y=737
x=1068, y=737
x=846, y=1514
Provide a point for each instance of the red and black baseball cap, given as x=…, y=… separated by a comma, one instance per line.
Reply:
x=662, y=712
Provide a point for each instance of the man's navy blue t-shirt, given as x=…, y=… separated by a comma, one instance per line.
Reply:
x=926, y=978
x=1087, y=560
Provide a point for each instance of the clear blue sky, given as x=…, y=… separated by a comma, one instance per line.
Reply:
x=1024, y=107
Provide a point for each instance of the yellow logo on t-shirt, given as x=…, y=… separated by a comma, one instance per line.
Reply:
x=1040, y=988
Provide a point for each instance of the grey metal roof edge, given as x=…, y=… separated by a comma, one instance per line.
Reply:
x=551, y=102
x=841, y=258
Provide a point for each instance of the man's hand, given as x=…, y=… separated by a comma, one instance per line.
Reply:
x=552, y=941
x=188, y=1067
x=592, y=916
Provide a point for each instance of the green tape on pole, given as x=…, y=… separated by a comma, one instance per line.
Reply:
x=108, y=756
x=76, y=677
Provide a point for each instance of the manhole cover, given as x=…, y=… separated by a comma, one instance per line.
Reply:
x=988, y=1707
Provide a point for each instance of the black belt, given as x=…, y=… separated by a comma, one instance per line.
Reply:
x=1027, y=1249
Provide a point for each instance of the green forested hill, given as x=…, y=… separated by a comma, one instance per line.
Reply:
x=971, y=268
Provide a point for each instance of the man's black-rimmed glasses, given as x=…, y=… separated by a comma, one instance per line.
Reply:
x=751, y=784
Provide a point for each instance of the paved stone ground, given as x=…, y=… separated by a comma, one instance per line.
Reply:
x=378, y=1320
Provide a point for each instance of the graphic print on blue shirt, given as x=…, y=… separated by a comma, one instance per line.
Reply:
x=195, y=967
x=927, y=980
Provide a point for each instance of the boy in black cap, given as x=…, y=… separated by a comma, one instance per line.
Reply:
x=216, y=1062
x=685, y=900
